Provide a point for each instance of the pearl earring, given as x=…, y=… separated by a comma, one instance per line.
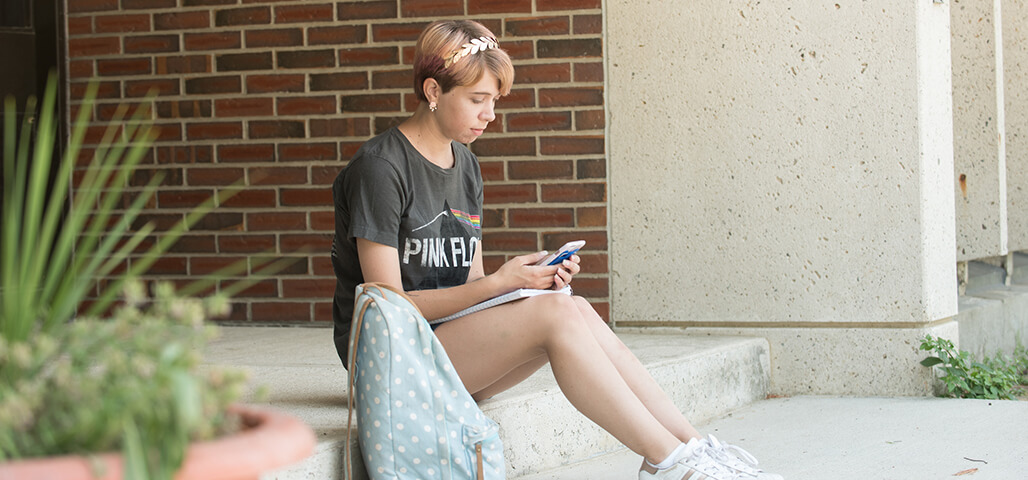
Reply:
x=432, y=106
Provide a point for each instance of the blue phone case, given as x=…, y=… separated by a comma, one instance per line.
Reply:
x=564, y=256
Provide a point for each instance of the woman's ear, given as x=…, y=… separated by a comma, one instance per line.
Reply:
x=432, y=89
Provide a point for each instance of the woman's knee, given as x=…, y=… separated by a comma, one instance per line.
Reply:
x=556, y=312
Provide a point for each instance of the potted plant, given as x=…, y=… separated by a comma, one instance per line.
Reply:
x=81, y=378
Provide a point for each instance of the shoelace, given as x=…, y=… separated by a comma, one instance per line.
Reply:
x=707, y=462
x=732, y=456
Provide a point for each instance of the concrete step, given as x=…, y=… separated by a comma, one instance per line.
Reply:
x=707, y=376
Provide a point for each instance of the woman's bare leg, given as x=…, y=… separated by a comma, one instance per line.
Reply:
x=635, y=374
x=487, y=346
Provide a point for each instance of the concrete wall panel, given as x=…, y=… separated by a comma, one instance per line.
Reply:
x=1015, y=95
x=767, y=163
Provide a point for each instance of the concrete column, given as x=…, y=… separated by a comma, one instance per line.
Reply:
x=786, y=171
x=978, y=129
x=1015, y=74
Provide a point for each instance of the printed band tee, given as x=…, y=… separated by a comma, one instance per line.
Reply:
x=392, y=195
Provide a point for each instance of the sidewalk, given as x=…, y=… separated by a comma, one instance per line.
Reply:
x=810, y=438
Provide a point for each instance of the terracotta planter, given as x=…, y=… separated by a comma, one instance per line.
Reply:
x=272, y=440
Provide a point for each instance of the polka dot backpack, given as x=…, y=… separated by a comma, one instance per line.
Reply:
x=415, y=420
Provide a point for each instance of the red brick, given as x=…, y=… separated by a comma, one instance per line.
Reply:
x=585, y=24
x=146, y=4
x=172, y=177
x=337, y=35
x=161, y=222
x=477, y=7
x=289, y=265
x=168, y=132
x=339, y=127
x=184, y=154
x=504, y=146
x=274, y=83
x=152, y=44
x=156, y=86
x=305, y=13
x=80, y=69
x=569, y=4
x=431, y=8
x=184, y=109
x=591, y=287
x=263, y=288
x=575, y=47
x=541, y=217
x=214, y=176
x=80, y=26
x=182, y=198
x=251, y=198
x=283, y=37
x=200, y=3
x=323, y=311
x=123, y=66
x=543, y=73
x=540, y=169
x=594, y=240
x=339, y=81
x=589, y=72
x=247, y=153
x=244, y=107
x=591, y=216
x=208, y=265
x=589, y=120
x=492, y=171
x=308, y=288
x=397, y=32
x=323, y=221
x=494, y=218
x=379, y=102
x=306, y=59
x=306, y=105
x=522, y=242
x=521, y=98
x=574, y=192
x=278, y=175
x=220, y=221
x=348, y=149
x=519, y=50
x=193, y=244
x=212, y=41
x=393, y=79
x=321, y=265
x=276, y=129
x=354, y=57
x=89, y=47
x=324, y=175
x=244, y=61
x=592, y=168
x=208, y=131
x=276, y=221
x=539, y=121
x=305, y=152
x=567, y=97
x=518, y=193
x=243, y=16
x=366, y=10
x=571, y=145
x=79, y=6
x=183, y=64
x=536, y=26
x=281, y=311
x=121, y=23
x=245, y=243
x=594, y=263
x=306, y=197
x=317, y=242
x=182, y=20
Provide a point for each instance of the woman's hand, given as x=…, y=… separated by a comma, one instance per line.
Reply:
x=568, y=268
x=522, y=272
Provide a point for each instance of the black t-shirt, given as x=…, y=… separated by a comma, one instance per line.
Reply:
x=391, y=194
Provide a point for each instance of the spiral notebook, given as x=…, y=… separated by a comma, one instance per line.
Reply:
x=500, y=300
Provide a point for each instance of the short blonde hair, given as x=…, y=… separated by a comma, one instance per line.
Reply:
x=440, y=40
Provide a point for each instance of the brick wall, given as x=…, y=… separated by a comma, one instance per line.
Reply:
x=279, y=94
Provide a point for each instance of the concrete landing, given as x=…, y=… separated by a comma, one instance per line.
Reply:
x=707, y=376
x=813, y=438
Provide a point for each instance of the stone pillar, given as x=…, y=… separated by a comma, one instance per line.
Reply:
x=978, y=129
x=786, y=172
x=1015, y=96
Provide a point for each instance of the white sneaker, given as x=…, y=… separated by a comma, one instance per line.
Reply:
x=737, y=459
x=694, y=463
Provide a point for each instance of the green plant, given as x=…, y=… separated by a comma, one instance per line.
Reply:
x=70, y=384
x=964, y=377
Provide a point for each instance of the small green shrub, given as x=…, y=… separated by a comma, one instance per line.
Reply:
x=964, y=377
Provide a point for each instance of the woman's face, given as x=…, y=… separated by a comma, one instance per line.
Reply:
x=465, y=111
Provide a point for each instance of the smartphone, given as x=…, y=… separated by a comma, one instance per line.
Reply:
x=564, y=253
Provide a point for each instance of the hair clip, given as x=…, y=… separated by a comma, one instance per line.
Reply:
x=476, y=45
